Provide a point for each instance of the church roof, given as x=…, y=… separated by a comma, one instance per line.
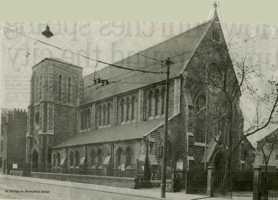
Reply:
x=124, y=132
x=179, y=48
x=129, y=131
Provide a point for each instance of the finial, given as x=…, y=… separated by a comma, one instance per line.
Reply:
x=215, y=5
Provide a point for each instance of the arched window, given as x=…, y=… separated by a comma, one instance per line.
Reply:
x=104, y=115
x=200, y=103
x=60, y=88
x=100, y=115
x=127, y=108
x=58, y=159
x=133, y=108
x=162, y=100
x=150, y=98
x=156, y=103
x=99, y=157
x=122, y=109
x=71, y=159
x=128, y=156
x=108, y=112
x=119, y=156
x=92, y=157
x=77, y=158
x=69, y=90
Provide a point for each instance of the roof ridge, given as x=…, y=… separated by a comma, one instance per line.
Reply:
x=59, y=60
x=198, y=44
x=153, y=46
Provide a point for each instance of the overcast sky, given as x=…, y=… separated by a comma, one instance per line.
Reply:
x=114, y=40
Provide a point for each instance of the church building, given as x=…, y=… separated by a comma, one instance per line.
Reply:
x=111, y=122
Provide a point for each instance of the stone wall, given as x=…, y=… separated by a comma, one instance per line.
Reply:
x=99, y=180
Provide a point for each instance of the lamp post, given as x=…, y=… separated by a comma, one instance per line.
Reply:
x=167, y=63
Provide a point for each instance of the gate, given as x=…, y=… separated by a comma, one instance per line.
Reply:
x=196, y=181
x=269, y=185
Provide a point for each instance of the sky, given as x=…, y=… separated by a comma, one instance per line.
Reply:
x=112, y=40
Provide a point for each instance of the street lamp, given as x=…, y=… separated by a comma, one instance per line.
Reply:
x=47, y=33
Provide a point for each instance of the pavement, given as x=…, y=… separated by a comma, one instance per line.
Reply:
x=15, y=187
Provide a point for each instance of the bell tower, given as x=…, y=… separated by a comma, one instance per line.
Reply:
x=52, y=112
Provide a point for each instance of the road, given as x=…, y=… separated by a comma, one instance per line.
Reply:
x=22, y=189
x=12, y=187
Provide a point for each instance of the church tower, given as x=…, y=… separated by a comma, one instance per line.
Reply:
x=52, y=112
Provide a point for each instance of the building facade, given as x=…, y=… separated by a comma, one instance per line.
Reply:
x=12, y=139
x=267, y=149
x=111, y=122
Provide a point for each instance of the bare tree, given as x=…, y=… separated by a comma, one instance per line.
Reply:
x=224, y=89
x=266, y=147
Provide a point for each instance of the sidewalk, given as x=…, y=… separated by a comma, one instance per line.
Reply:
x=152, y=193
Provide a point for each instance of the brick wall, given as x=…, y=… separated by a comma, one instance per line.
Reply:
x=196, y=76
x=14, y=139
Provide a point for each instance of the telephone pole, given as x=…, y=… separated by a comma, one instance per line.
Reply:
x=167, y=63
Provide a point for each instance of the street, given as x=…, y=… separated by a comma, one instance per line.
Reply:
x=14, y=187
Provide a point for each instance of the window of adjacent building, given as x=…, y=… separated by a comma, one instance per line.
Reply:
x=60, y=88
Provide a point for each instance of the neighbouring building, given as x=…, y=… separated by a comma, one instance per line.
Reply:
x=111, y=122
x=267, y=148
x=12, y=139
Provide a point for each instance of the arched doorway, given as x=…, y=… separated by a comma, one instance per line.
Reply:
x=219, y=163
x=35, y=160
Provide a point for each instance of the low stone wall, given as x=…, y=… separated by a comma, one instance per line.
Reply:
x=99, y=180
x=15, y=172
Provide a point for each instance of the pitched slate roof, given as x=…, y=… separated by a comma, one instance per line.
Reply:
x=113, y=134
x=180, y=48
